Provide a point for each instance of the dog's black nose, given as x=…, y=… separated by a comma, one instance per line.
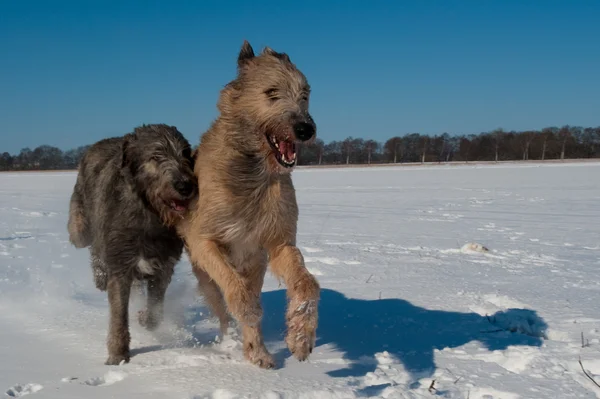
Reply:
x=304, y=131
x=184, y=187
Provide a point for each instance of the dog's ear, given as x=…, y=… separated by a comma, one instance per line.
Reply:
x=246, y=54
x=125, y=150
x=193, y=157
x=189, y=153
x=282, y=56
x=269, y=51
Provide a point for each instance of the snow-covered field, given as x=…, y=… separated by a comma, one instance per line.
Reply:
x=402, y=305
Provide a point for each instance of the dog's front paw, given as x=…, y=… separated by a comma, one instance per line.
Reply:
x=244, y=306
x=302, y=326
x=259, y=356
x=100, y=279
x=116, y=360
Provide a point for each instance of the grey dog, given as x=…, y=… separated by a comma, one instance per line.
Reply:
x=130, y=193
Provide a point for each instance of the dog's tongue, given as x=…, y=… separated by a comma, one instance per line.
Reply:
x=178, y=206
x=287, y=149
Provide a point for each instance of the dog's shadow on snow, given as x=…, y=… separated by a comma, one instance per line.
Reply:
x=362, y=328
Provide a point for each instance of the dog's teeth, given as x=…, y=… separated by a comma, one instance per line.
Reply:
x=289, y=162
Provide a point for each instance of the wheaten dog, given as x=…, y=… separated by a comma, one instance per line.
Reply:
x=246, y=213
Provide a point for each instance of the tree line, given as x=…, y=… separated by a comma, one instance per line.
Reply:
x=44, y=157
x=567, y=142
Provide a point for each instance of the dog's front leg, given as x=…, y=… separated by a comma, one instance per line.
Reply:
x=119, y=288
x=240, y=300
x=99, y=271
x=254, y=346
x=287, y=262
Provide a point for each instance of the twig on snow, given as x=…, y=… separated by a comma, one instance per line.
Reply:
x=453, y=375
x=583, y=343
x=369, y=279
x=587, y=375
x=431, y=388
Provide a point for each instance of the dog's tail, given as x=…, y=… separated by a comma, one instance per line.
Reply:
x=77, y=226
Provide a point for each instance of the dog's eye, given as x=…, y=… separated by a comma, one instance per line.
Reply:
x=272, y=94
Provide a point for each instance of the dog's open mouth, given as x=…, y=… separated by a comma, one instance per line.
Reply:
x=285, y=150
x=177, y=205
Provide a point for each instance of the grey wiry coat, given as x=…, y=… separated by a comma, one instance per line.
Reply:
x=130, y=193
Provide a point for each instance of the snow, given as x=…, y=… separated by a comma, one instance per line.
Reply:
x=411, y=304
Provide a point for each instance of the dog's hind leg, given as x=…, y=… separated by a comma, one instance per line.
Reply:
x=241, y=302
x=119, y=289
x=287, y=262
x=77, y=225
x=213, y=297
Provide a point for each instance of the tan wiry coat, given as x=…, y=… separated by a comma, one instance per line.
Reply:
x=246, y=214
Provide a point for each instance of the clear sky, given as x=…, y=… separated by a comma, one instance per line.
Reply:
x=73, y=72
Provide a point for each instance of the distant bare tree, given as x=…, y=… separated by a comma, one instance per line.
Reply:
x=546, y=134
x=394, y=149
x=441, y=147
x=371, y=146
x=590, y=141
x=320, y=147
x=347, y=145
x=498, y=136
x=333, y=152
x=564, y=133
x=465, y=146
x=6, y=161
x=424, y=142
x=526, y=138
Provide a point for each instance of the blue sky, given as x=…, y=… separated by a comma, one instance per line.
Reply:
x=74, y=72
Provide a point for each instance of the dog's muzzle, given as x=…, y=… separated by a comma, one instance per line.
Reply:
x=184, y=187
x=304, y=131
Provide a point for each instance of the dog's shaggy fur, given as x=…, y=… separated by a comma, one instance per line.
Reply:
x=130, y=193
x=246, y=213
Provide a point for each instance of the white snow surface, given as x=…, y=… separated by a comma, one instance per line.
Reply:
x=405, y=311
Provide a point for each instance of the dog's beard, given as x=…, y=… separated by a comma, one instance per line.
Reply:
x=170, y=210
x=169, y=217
